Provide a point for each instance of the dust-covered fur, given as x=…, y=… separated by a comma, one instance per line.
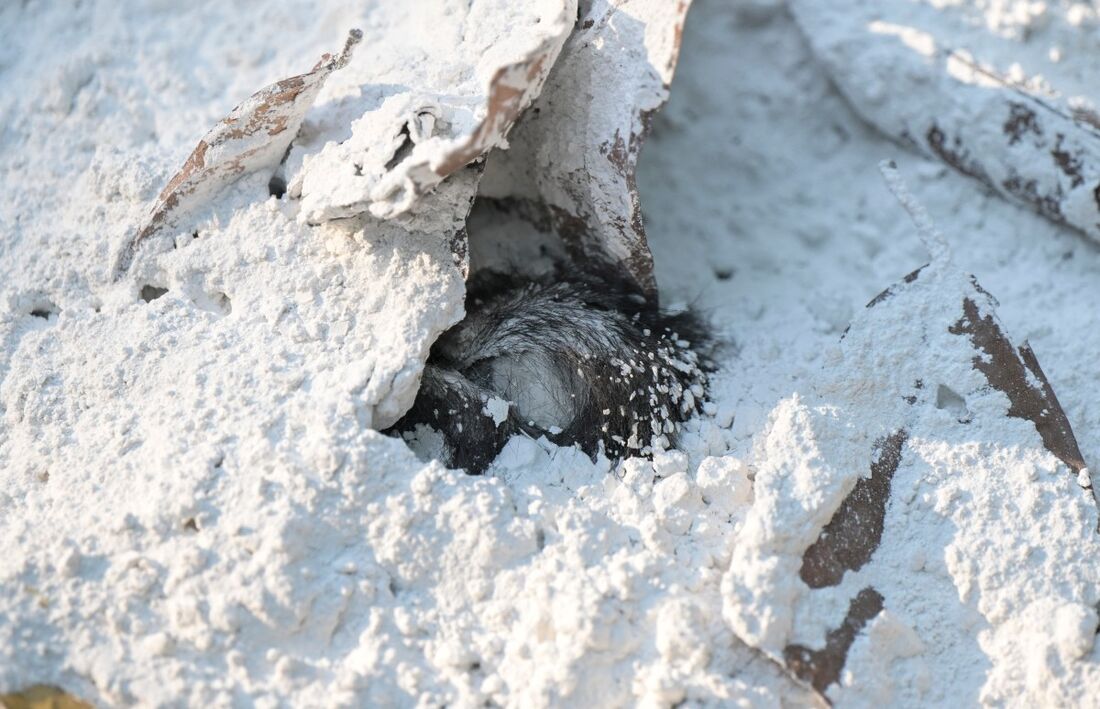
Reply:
x=579, y=361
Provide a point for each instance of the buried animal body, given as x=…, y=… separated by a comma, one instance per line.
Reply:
x=569, y=358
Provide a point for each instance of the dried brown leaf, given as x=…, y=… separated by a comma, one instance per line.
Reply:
x=855, y=530
x=42, y=696
x=574, y=155
x=255, y=135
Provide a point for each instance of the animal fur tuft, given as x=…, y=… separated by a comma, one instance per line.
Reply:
x=577, y=361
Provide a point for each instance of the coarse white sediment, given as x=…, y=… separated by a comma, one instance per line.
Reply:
x=194, y=510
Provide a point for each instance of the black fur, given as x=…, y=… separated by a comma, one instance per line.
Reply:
x=578, y=359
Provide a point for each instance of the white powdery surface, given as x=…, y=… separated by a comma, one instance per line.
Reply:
x=986, y=561
x=764, y=208
x=436, y=85
x=999, y=90
x=193, y=510
x=193, y=507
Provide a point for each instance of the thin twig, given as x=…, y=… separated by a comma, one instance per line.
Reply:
x=931, y=236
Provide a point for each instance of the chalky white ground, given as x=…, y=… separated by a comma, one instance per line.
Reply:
x=194, y=509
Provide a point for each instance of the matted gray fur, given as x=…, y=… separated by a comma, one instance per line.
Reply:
x=577, y=359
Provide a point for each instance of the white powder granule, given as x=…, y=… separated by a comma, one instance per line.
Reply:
x=195, y=505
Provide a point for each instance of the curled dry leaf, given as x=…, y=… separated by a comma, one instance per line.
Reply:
x=402, y=147
x=950, y=97
x=254, y=136
x=853, y=534
x=938, y=372
x=414, y=97
x=1010, y=369
x=573, y=157
x=511, y=90
x=42, y=696
x=821, y=668
x=845, y=544
x=1016, y=372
